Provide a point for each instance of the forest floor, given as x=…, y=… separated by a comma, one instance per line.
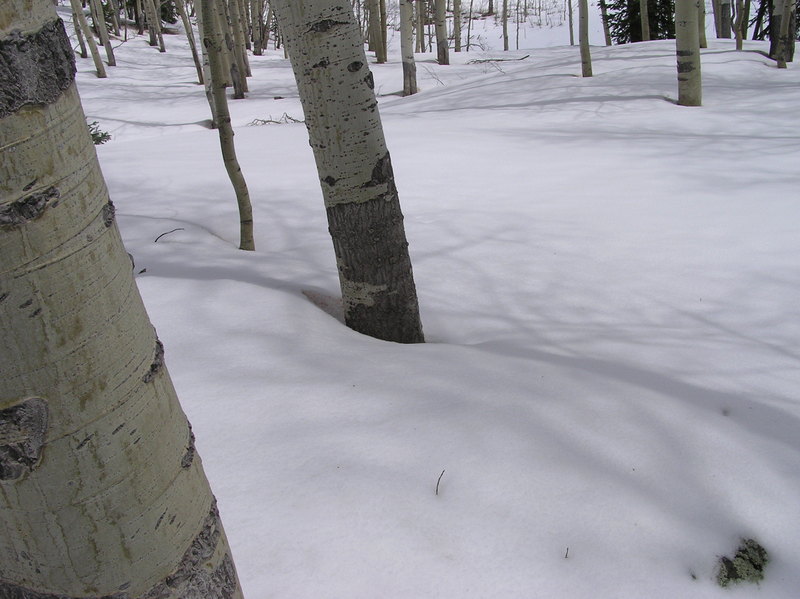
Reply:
x=609, y=398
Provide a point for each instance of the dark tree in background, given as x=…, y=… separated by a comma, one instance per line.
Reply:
x=624, y=21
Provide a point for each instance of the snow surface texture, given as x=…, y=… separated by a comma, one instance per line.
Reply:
x=609, y=287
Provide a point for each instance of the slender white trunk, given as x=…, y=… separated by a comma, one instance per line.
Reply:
x=725, y=24
x=187, y=26
x=469, y=25
x=98, y=17
x=737, y=27
x=440, y=22
x=644, y=19
x=213, y=39
x=77, y=10
x=583, y=38
x=571, y=24
x=505, y=25
x=701, y=23
x=457, y=25
x=101, y=491
x=79, y=34
x=687, y=48
x=407, y=48
x=604, y=17
x=785, y=38
x=353, y=166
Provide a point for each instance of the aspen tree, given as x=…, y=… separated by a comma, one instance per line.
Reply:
x=785, y=38
x=83, y=24
x=99, y=20
x=687, y=49
x=701, y=23
x=583, y=38
x=407, y=48
x=101, y=491
x=737, y=26
x=354, y=167
x=457, y=25
x=79, y=34
x=440, y=24
x=725, y=19
x=604, y=18
x=644, y=19
x=187, y=26
x=212, y=40
x=505, y=25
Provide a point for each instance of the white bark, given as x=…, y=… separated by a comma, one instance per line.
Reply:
x=701, y=23
x=644, y=19
x=213, y=40
x=77, y=10
x=687, y=48
x=604, y=17
x=407, y=48
x=100, y=24
x=505, y=25
x=101, y=493
x=354, y=167
x=440, y=23
x=457, y=25
x=187, y=26
x=583, y=38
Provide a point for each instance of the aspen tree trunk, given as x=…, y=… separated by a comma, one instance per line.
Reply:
x=98, y=18
x=233, y=69
x=440, y=22
x=737, y=27
x=384, y=37
x=420, y=24
x=604, y=17
x=687, y=49
x=239, y=38
x=786, y=35
x=212, y=40
x=407, y=48
x=505, y=25
x=457, y=25
x=354, y=168
x=571, y=24
x=79, y=34
x=77, y=10
x=717, y=7
x=187, y=26
x=469, y=25
x=101, y=491
x=257, y=18
x=583, y=38
x=154, y=25
x=644, y=20
x=701, y=23
x=725, y=20
x=114, y=9
x=207, y=84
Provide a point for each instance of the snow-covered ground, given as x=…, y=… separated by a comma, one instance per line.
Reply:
x=610, y=290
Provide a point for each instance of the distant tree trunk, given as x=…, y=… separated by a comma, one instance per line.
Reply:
x=407, y=47
x=440, y=21
x=457, y=25
x=583, y=38
x=354, y=168
x=238, y=28
x=187, y=26
x=207, y=82
x=213, y=39
x=737, y=26
x=571, y=24
x=701, y=24
x=725, y=19
x=604, y=17
x=687, y=48
x=114, y=10
x=784, y=48
x=644, y=19
x=79, y=34
x=77, y=10
x=384, y=37
x=745, y=18
x=420, y=24
x=505, y=25
x=469, y=25
x=98, y=18
x=154, y=25
x=491, y=8
x=257, y=22
x=101, y=491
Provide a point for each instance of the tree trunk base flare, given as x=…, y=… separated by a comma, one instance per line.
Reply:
x=192, y=579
